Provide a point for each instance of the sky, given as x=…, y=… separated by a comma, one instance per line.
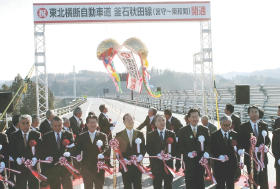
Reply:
x=245, y=38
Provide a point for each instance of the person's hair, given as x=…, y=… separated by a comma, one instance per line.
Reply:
x=65, y=119
x=205, y=117
x=192, y=110
x=91, y=117
x=159, y=116
x=167, y=112
x=91, y=114
x=278, y=106
x=225, y=118
x=15, y=119
x=34, y=118
x=77, y=111
x=57, y=118
x=49, y=113
x=25, y=116
x=125, y=115
x=261, y=113
x=230, y=107
x=102, y=107
x=252, y=107
x=154, y=110
x=186, y=117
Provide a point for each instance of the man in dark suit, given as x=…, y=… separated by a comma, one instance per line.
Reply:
x=66, y=125
x=4, y=155
x=257, y=128
x=53, y=149
x=46, y=124
x=276, y=124
x=157, y=143
x=149, y=122
x=35, y=123
x=11, y=164
x=190, y=145
x=105, y=124
x=276, y=153
x=22, y=151
x=76, y=122
x=87, y=144
x=223, y=149
x=128, y=147
x=229, y=109
x=205, y=122
x=173, y=124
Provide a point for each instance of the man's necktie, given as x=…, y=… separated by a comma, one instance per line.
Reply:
x=58, y=141
x=194, y=132
x=24, y=139
x=255, y=130
x=130, y=138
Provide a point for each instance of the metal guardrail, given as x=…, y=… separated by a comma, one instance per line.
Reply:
x=266, y=97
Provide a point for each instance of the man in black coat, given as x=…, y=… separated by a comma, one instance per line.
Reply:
x=173, y=124
x=22, y=150
x=276, y=153
x=229, y=109
x=105, y=125
x=11, y=164
x=53, y=148
x=157, y=142
x=190, y=145
x=258, y=128
x=87, y=144
x=128, y=147
x=276, y=124
x=76, y=122
x=4, y=155
x=149, y=122
x=45, y=126
x=222, y=147
x=35, y=123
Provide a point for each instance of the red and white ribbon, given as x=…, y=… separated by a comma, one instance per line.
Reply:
x=99, y=144
x=63, y=162
x=36, y=174
x=115, y=145
x=204, y=163
x=6, y=181
x=102, y=166
x=141, y=168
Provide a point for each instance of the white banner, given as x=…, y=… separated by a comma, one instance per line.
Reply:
x=134, y=80
x=120, y=12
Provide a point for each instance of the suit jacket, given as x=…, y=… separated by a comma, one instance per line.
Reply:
x=244, y=138
x=154, y=146
x=45, y=127
x=276, y=124
x=18, y=148
x=104, y=124
x=221, y=147
x=50, y=148
x=35, y=129
x=175, y=125
x=9, y=133
x=188, y=142
x=90, y=150
x=146, y=123
x=125, y=148
x=4, y=150
x=235, y=122
x=212, y=128
x=75, y=126
x=276, y=146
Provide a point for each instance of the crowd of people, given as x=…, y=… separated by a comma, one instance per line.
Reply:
x=55, y=151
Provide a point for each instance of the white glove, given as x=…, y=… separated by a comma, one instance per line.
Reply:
x=100, y=156
x=49, y=158
x=126, y=161
x=266, y=149
x=278, y=161
x=177, y=139
x=192, y=154
x=70, y=145
x=11, y=159
x=19, y=161
x=241, y=152
x=206, y=155
x=1, y=146
x=79, y=158
x=66, y=154
x=140, y=158
x=222, y=158
x=159, y=156
x=34, y=161
x=2, y=167
x=112, y=128
x=256, y=149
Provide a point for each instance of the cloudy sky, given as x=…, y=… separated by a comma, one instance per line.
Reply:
x=245, y=37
